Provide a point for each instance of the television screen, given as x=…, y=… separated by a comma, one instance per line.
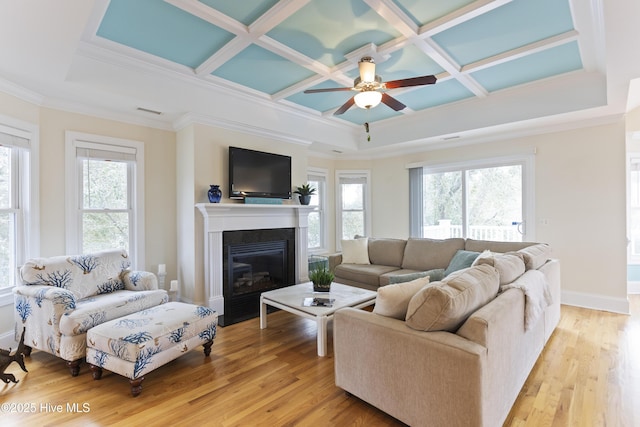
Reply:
x=258, y=174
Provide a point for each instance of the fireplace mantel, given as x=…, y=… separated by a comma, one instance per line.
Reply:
x=220, y=217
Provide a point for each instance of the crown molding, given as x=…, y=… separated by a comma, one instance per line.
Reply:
x=20, y=92
x=191, y=118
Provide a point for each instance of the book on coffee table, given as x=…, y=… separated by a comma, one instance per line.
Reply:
x=318, y=302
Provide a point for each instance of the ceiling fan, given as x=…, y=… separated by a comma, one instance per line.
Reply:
x=370, y=86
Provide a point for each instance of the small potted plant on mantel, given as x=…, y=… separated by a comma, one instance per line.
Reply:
x=321, y=278
x=305, y=192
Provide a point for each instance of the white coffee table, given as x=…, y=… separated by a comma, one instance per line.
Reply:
x=291, y=298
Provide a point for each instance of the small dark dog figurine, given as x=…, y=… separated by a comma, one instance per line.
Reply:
x=6, y=358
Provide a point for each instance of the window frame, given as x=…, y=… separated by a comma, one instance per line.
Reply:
x=25, y=204
x=320, y=175
x=74, y=186
x=527, y=161
x=364, y=174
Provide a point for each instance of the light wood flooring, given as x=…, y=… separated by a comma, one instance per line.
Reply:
x=588, y=375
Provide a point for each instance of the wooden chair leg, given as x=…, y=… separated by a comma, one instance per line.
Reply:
x=207, y=348
x=74, y=367
x=96, y=371
x=136, y=386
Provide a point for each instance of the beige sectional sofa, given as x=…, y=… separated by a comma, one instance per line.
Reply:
x=466, y=345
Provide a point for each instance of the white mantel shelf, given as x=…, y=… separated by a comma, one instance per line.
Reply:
x=221, y=217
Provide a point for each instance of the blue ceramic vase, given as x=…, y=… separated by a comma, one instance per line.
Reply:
x=214, y=193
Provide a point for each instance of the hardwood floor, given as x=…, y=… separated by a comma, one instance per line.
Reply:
x=589, y=374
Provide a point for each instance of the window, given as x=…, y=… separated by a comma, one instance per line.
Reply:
x=105, y=177
x=18, y=209
x=317, y=230
x=353, y=202
x=633, y=204
x=481, y=200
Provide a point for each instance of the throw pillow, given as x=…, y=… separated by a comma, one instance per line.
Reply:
x=393, y=300
x=462, y=259
x=401, y=278
x=510, y=266
x=536, y=255
x=446, y=305
x=355, y=251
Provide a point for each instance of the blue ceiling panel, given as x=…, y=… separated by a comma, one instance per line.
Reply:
x=160, y=29
x=508, y=27
x=311, y=39
x=245, y=11
x=262, y=70
x=404, y=63
x=433, y=95
x=327, y=30
x=551, y=62
x=423, y=12
x=322, y=101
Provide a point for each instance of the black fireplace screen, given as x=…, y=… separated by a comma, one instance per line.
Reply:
x=256, y=267
x=254, y=261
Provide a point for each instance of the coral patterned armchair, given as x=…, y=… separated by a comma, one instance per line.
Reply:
x=60, y=298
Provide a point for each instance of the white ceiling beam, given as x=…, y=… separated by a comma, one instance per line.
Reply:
x=274, y=16
x=210, y=15
x=218, y=59
x=394, y=16
x=588, y=19
x=457, y=17
x=522, y=51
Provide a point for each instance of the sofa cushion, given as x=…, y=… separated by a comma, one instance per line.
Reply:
x=393, y=300
x=98, y=309
x=510, y=266
x=355, y=251
x=494, y=246
x=407, y=277
x=83, y=275
x=361, y=273
x=386, y=251
x=427, y=254
x=445, y=305
x=535, y=255
x=462, y=259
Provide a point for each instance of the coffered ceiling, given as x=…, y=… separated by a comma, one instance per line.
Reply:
x=245, y=64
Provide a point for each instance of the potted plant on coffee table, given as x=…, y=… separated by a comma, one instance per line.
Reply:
x=304, y=192
x=321, y=278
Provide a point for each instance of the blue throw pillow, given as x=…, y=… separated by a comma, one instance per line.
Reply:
x=462, y=259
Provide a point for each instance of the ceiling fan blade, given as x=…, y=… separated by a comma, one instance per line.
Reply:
x=345, y=106
x=331, y=89
x=414, y=81
x=392, y=102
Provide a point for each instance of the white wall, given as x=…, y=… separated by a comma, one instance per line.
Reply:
x=580, y=192
x=202, y=163
x=160, y=182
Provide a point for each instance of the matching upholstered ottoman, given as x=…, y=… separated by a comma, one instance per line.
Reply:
x=136, y=344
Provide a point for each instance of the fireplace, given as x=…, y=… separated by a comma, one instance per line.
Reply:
x=220, y=218
x=254, y=261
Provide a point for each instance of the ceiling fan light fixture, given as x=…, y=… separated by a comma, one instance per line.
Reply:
x=367, y=70
x=368, y=99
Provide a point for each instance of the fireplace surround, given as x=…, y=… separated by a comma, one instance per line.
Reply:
x=221, y=217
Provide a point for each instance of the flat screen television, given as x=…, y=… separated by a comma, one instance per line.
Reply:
x=258, y=174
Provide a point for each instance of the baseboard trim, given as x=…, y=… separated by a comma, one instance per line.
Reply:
x=633, y=287
x=595, y=302
x=7, y=341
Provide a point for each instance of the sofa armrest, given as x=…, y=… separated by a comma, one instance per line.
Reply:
x=412, y=375
x=39, y=293
x=139, y=280
x=41, y=307
x=334, y=261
